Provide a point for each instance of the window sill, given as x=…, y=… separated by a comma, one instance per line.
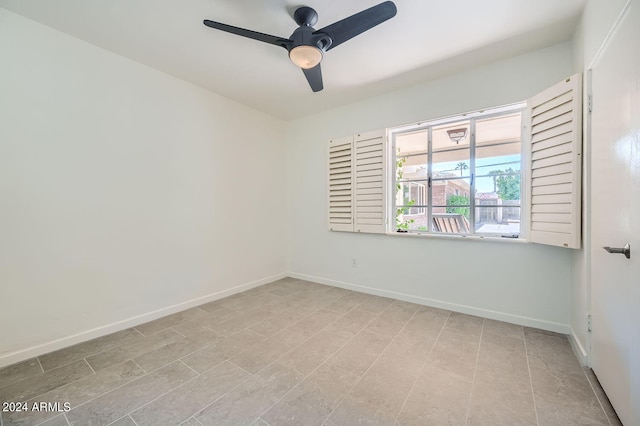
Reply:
x=489, y=238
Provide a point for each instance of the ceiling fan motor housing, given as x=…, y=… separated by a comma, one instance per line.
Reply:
x=304, y=36
x=305, y=15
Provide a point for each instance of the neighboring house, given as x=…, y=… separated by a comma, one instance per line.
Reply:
x=444, y=186
x=444, y=189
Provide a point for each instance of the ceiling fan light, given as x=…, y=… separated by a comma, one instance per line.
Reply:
x=305, y=57
x=457, y=135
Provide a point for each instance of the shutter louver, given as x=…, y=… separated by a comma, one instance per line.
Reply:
x=340, y=185
x=555, y=164
x=369, y=172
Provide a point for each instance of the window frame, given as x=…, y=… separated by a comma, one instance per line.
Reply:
x=472, y=118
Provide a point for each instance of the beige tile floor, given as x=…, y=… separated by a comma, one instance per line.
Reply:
x=299, y=353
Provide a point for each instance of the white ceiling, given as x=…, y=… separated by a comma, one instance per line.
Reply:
x=426, y=39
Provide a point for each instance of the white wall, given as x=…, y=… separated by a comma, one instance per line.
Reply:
x=523, y=283
x=597, y=21
x=124, y=192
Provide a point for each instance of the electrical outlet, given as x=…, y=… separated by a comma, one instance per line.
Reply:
x=354, y=263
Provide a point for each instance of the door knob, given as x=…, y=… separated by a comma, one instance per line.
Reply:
x=626, y=250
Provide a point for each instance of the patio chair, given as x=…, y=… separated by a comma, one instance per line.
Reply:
x=451, y=223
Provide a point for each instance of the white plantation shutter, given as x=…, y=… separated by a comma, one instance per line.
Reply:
x=340, y=184
x=357, y=183
x=555, y=164
x=369, y=182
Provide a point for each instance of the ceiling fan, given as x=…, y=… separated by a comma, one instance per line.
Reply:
x=307, y=45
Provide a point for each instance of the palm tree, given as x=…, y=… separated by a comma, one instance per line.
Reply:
x=461, y=166
x=494, y=174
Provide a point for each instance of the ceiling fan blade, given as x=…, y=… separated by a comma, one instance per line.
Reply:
x=350, y=27
x=314, y=77
x=278, y=41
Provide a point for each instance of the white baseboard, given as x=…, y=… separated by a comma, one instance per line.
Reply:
x=465, y=309
x=83, y=336
x=53, y=345
x=579, y=350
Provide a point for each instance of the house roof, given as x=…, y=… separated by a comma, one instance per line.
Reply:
x=487, y=196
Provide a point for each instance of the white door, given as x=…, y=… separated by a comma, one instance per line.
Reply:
x=615, y=214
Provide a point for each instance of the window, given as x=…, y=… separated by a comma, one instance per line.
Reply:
x=438, y=166
x=506, y=172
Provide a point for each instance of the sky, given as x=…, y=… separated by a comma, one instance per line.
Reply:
x=483, y=167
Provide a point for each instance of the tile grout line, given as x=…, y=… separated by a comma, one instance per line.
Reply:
x=372, y=364
x=127, y=346
x=107, y=349
x=250, y=375
x=226, y=360
x=283, y=329
x=40, y=364
x=221, y=395
x=424, y=365
x=180, y=322
x=124, y=384
x=44, y=421
x=92, y=399
x=248, y=328
x=323, y=362
x=213, y=331
x=533, y=396
x=223, y=337
x=94, y=371
x=59, y=387
x=48, y=371
x=181, y=334
x=184, y=383
x=196, y=420
x=275, y=361
x=262, y=320
x=63, y=415
x=236, y=365
x=596, y=395
x=475, y=371
x=117, y=420
x=179, y=359
x=134, y=361
x=172, y=389
x=226, y=337
x=183, y=363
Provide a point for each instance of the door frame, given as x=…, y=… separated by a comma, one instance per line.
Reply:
x=582, y=349
x=588, y=233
